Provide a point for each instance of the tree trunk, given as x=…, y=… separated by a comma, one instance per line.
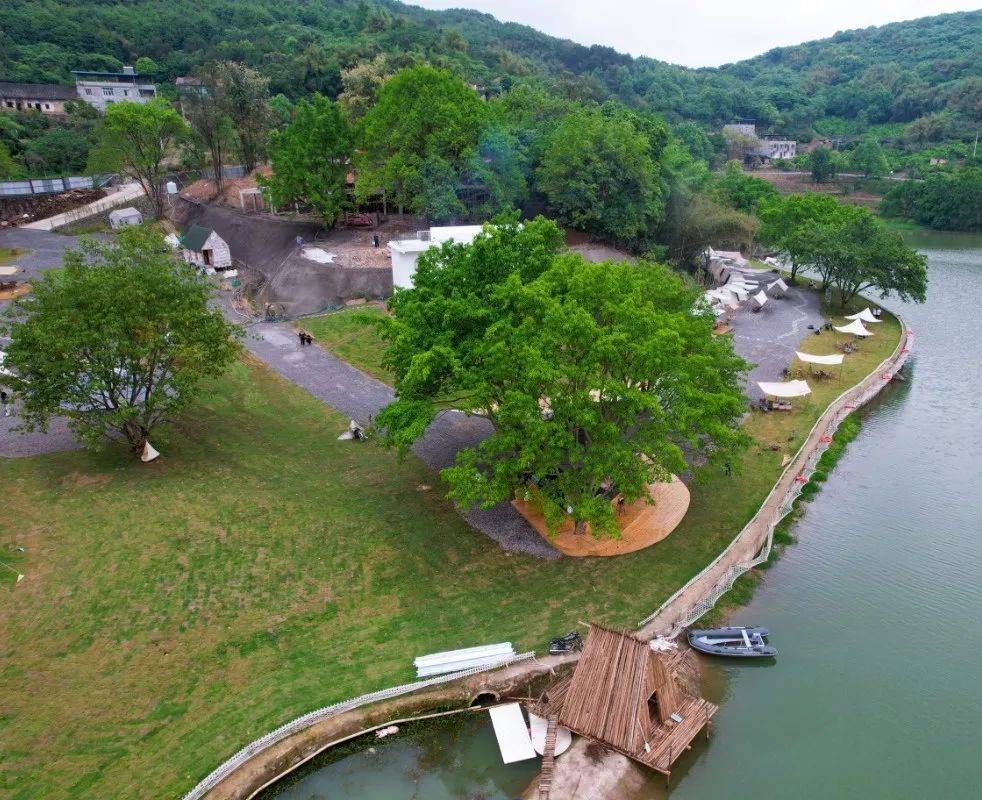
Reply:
x=579, y=527
x=136, y=435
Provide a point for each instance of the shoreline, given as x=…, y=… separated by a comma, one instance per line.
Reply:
x=259, y=770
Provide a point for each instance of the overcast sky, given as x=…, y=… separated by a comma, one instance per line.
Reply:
x=700, y=33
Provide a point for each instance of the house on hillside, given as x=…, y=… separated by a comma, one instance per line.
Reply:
x=627, y=697
x=47, y=98
x=102, y=89
x=405, y=252
x=204, y=248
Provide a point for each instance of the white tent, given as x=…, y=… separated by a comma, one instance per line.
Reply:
x=760, y=298
x=785, y=389
x=865, y=316
x=777, y=288
x=855, y=328
x=808, y=358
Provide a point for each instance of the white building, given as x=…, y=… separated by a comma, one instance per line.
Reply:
x=205, y=248
x=122, y=217
x=405, y=252
x=101, y=89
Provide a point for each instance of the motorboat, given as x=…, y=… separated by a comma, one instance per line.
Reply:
x=735, y=642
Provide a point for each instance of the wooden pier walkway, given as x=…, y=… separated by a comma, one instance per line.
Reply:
x=548, y=758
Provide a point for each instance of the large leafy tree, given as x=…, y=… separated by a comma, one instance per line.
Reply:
x=210, y=114
x=788, y=224
x=136, y=139
x=598, y=378
x=119, y=340
x=311, y=158
x=742, y=191
x=823, y=164
x=600, y=173
x=853, y=251
x=246, y=95
x=417, y=139
x=868, y=158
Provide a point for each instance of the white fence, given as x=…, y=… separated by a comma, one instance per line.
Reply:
x=300, y=723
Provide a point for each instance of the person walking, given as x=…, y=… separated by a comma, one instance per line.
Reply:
x=302, y=338
x=5, y=402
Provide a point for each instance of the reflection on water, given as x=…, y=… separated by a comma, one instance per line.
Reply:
x=454, y=758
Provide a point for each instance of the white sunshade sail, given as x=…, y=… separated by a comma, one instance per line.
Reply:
x=808, y=358
x=785, y=389
x=855, y=327
x=8, y=272
x=778, y=285
x=761, y=298
x=865, y=316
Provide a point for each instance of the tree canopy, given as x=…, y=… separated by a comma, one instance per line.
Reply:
x=420, y=142
x=136, y=138
x=600, y=173
x=599, y=378
x=311, y=158
x=943, y=201
x=118, y=341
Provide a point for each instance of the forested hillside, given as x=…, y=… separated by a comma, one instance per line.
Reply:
x=925, y=74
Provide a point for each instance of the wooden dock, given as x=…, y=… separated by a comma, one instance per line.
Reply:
x=548, y=758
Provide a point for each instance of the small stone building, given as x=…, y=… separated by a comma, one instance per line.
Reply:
x=205, y=248
x=124, y=217
x=47, y=98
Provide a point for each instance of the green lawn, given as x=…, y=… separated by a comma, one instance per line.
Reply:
x=8, y=254
x=350, y=334
x=172, y=612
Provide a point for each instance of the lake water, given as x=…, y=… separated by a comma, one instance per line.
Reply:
x=454, y=758
x=876, y=611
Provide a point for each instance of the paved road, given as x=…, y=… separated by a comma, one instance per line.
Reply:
x=46, y=250
x=129, y=191
x=767, y=339
x=361, y=397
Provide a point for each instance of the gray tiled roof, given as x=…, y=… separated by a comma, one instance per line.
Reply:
x=11, y=90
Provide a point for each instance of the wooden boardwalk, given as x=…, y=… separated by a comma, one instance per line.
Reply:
x=548, y=758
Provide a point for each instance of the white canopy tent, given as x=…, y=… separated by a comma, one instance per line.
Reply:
x=856, y=328
x=760, y=298
x=785, y=389
x=808, y=358
x=866, y=315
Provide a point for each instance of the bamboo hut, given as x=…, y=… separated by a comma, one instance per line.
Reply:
x=627, y=697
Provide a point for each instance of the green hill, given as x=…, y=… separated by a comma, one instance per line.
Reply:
x=886, y=76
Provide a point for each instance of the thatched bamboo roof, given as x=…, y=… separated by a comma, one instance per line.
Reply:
x=621, y=692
